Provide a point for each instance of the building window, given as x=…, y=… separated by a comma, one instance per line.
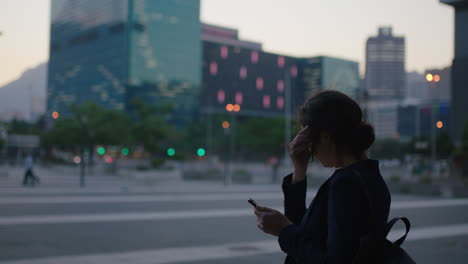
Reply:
x=156, y=16
x=213, y=68
x=281, y=61
x=280, y=102
x=117, y=28
x=54, y=47
x=83, y=38
x=221, y=96
x=266, y=101
x=280, y=85
x=224, y=52
x=139, y=27
x=294, y=71
x=259, y=83
x=254, y=57
x=243, y=72
x=173, y=20
x=238, y=97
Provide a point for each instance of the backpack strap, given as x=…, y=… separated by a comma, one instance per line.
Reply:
x=407, y=226
x=374, y=219
x=369, y=202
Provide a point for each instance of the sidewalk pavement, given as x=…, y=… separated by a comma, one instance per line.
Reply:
x=57, y=180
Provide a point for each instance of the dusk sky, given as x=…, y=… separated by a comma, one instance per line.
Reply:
x=295, y=27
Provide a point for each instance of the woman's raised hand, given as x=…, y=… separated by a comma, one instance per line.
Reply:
x=299, y=151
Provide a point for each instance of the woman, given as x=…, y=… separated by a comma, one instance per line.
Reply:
x=329, y=231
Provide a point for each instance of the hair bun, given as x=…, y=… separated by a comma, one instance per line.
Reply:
x=362, y=136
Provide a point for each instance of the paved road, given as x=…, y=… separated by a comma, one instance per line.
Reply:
x=187, y=223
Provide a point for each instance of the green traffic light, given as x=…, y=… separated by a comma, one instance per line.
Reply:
x=201, y=152
x=170, y=152
x=125, y=151
x=101, y=151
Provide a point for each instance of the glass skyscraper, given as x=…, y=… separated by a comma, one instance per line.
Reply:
x=319, y=73
x=385, y=66
x=110, y=51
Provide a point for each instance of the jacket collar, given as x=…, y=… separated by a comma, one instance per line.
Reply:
x=360, y=164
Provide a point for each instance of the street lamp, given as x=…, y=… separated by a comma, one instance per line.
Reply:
x=83, y=123
x=432, y=79
x=229, y=129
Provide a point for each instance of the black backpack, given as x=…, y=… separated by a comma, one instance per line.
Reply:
x=375, y=248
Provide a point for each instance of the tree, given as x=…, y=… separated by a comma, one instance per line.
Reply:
x=65, y=133
x=388, y=148
x=464, y=138
x=420, y=145
x=444, y=145
x=88, y=126
x=151, y=125
x=261, y=135
x=2, y=142
x=22, y=127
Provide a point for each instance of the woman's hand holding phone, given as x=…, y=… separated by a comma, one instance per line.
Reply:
x=270, y=220
x=299, y=151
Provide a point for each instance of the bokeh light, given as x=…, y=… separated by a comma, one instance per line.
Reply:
x=201, y=152
x=55, y=115
x=429, y=77
x=439, y=124
x=226, y=124
x=170, y=152
x=101, y=150
x=77, y=160
x=125, y=151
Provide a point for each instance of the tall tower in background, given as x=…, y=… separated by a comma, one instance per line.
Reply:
x=110, y=51
x=459, y=96
x=385, y=66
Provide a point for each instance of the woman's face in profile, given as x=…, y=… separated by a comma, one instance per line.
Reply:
x=324, y=150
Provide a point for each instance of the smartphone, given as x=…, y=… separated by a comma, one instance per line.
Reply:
x=252, y=202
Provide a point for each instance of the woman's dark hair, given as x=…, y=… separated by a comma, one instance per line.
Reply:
x=341, y=117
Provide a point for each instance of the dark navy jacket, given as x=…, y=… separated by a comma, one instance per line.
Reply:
x=329, y=231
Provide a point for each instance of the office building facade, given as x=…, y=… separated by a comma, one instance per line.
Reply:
x=111, y=51
x=239, y=72
x=385, y=76
x=459, y=78
x=409, y=118
x=319, y=73
x=416, y=86
x=418, y=118
x=383, y=115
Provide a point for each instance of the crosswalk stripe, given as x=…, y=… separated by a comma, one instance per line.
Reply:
x=118, y=217
x=188, y=214
x=429, y=203
x=139, y=198
x=230, y=250
x=406, y=204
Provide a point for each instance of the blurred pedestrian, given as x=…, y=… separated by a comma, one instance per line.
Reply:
x=29, y=175
x=330, y=230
